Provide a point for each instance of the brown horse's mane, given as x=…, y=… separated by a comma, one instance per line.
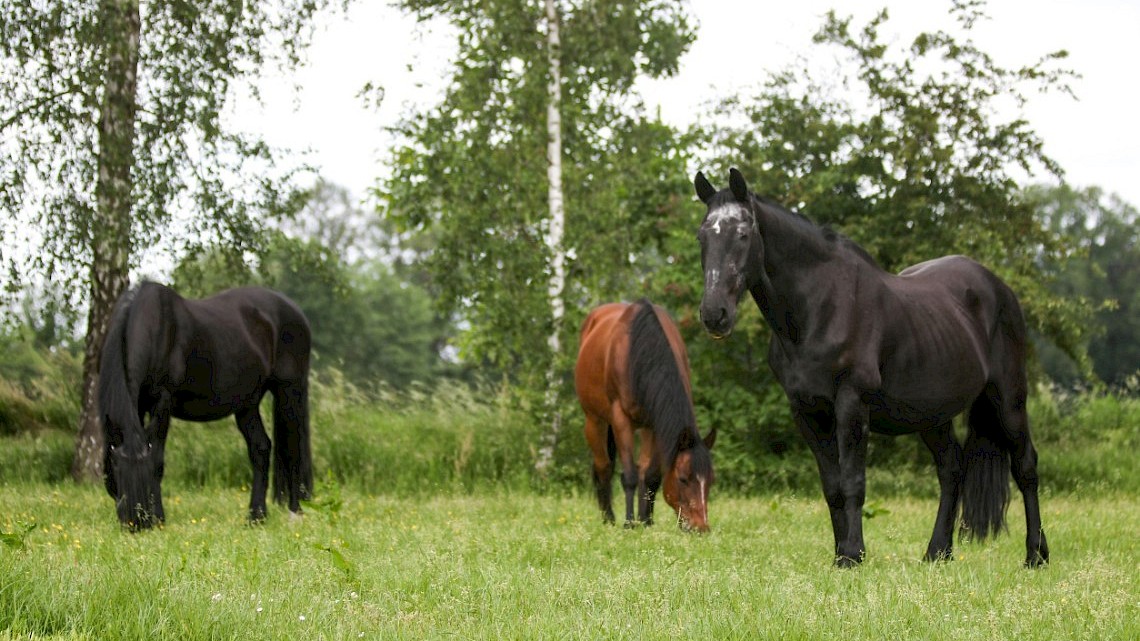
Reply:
x=659, y=390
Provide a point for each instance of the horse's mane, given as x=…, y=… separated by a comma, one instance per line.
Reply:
x=826, y=233
x=119, y=414
x=659, y=389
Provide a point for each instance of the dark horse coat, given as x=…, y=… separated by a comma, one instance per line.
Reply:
x=858, y=349
x=202, y=360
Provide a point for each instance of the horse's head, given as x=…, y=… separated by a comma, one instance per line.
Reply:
x=132, y=479
x=730, y=247
x=686, y=485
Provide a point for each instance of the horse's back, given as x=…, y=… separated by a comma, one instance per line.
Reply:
x=950, y=328
x=218, y=354
x=601, y=373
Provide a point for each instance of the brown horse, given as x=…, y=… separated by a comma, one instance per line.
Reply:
x=633, y=374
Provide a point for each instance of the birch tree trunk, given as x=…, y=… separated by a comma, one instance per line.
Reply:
x=557, y=227
x=111, y=226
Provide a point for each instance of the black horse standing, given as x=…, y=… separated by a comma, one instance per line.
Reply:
x=857, y=349
x=202, y=360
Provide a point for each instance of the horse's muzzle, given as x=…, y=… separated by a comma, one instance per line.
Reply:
x=717, y=320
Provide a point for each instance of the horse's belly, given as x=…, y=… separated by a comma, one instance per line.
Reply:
x=210, y=399
x=201, y=411
x=896, y=416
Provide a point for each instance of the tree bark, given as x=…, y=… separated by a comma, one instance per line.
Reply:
x=110, y=234
x=557, y=226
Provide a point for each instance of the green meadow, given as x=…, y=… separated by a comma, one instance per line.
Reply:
x=428, y=521
x=506, y=564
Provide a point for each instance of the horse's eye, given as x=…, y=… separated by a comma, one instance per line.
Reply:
x=684, y=480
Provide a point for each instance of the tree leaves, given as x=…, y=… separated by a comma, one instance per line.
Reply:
x=472, y=170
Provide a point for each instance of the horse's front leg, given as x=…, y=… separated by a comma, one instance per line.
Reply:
x=649, y=476
x=818, y=429
x=852, y=426
x=259, y=447
x=160, y=426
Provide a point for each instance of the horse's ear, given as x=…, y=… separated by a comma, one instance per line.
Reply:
x=705, y=190
x=737, y=185
x=710, y=438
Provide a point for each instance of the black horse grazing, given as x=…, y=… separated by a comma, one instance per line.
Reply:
x=857, y=349
x=202, y=360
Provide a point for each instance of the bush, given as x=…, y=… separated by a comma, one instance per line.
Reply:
x=462, y=438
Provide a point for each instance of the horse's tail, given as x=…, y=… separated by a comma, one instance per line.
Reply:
x=117, y=406
x=985, y=486
x=992, y=422
x=293, y=458
x=658, y=387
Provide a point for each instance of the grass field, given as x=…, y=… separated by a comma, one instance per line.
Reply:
x=524, y=565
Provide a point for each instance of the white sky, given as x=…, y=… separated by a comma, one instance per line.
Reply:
x=1095, y=139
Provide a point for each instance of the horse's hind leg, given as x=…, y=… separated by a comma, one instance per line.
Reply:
x=948, y=460
x=601, y=442
x=259, y=447
x=160, y=425
x=1023, y=465
x=623, y=437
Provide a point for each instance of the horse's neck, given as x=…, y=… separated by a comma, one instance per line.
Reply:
x=793, y=252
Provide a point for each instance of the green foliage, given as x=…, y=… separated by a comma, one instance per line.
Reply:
x=194, y=181
x=366, y=322
x=39, y=385
x=471, y=172
x=15, y=539
x=1087, y=441
x=1105, y=266
x=457, y=438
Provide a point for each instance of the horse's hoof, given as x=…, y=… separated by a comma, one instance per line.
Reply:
x=939, y=556
x=848, y=561
x=1036, y=560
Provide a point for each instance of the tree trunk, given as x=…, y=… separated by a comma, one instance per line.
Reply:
x=557, y=226
x=111, y=227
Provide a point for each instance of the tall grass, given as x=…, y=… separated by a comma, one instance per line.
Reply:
x=460, y=438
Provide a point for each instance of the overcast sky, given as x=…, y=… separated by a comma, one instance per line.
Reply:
x=1096, y=139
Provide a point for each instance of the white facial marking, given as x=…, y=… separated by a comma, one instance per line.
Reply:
x=731, y=213
x=713, y=278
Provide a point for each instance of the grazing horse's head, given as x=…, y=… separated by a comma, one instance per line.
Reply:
x=730, y=242
x=686, y=485
x=132, y=479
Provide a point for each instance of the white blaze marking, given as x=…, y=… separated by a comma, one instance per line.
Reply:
x=714, y=278
x=728, y=213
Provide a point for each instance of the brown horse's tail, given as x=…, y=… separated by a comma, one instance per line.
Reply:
x=659, y=388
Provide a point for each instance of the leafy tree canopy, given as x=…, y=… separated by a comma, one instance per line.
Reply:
x=471, y=172
x=1105, y=266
